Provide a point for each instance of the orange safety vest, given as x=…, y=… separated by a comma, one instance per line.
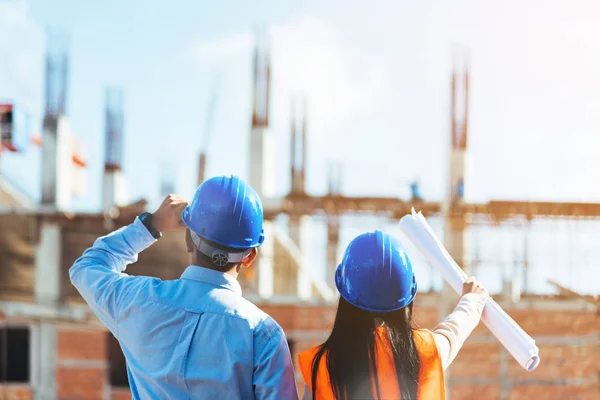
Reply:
x=431, y=373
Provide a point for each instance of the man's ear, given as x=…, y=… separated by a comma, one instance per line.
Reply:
x=246, y=262
x=190, y=247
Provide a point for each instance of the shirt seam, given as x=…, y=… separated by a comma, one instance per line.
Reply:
x=198, y=311
x=220, y=286
x=270, y=334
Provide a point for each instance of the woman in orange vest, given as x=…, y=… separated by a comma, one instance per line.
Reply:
x=373, y=351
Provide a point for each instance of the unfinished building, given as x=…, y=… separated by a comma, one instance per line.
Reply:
x=53, y=347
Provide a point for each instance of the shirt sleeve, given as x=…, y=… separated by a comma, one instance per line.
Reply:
x=451, y=333
x=273, y=376
x=98, y=273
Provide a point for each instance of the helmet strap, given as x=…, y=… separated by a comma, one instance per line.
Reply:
x=219, y=257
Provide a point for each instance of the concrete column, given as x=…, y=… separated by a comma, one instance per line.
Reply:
x=46, y=339
x=511, y=289
x=504, y=378
x=300, y=229
x=57, y=168
x=201, y=169
x=114, y=189
x=47, y=292
x=265, y=260
x=455, y=223
x=262, y=161
x=456, y=233
x=333, y=243
x=262, y=179
x=48, y=264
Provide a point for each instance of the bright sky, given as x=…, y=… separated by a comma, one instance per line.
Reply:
x=376, y=77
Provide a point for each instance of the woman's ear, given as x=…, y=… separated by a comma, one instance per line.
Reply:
x=246, y=262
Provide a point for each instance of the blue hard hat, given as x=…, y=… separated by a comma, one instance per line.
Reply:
x=227, y=211
x=376, y=274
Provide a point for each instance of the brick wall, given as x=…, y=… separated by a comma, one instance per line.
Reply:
x=15, y=392
x=569, y=344
x=82, y=365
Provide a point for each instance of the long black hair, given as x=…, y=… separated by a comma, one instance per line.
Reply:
x=350, y=353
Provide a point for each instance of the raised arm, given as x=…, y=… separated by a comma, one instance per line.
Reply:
x=273, y=376
x=98, y=273
x=451, y=333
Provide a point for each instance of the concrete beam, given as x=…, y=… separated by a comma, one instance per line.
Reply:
x=67, y=313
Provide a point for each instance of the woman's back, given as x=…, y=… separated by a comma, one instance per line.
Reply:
x=373, y=350
x=430, y=378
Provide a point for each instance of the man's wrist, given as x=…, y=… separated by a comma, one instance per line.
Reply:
x=146, y=219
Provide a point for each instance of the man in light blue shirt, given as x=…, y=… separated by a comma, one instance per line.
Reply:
x=195, y=337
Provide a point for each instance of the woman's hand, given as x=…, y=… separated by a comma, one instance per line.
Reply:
x=473, y=286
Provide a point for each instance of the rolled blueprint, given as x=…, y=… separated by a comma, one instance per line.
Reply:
x=507, y=331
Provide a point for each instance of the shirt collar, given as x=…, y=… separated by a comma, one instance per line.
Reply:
x=212, y=277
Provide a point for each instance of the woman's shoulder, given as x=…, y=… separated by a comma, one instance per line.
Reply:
x=305, y=362
x=425, y=342
x=305, y=358
x=423, y=333
x=423, y=336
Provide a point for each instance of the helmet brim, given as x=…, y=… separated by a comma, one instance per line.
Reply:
x=399, y=305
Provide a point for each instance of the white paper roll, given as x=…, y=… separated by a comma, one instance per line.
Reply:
x=509, y=333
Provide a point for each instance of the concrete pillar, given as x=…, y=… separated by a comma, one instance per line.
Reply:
x=300, y=229
x=114, y=191
x=262, y=176
x=57, y=159
x=333, y=243
x=201, y=169
x=48, y=291
x=262, y=158
x=48, y=264
x=511, y=289
x=456, y=235
x=262, y=161
x=46, y=338
x=265, y=262
x=504, y=377
x=114, y=188
x=455, y=222
x=456, y=230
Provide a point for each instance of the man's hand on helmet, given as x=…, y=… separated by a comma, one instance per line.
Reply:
x=168, y=216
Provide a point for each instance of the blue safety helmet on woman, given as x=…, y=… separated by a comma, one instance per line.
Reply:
x=376, y=274
x=226, y=210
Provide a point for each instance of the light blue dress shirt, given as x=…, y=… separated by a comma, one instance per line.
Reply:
x=195, y=337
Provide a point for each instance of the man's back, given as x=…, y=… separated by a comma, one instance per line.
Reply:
x=195, y=337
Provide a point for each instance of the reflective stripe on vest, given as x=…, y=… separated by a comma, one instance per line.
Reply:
x=431, y=373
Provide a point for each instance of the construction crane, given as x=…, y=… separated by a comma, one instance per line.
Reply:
x=208, y=128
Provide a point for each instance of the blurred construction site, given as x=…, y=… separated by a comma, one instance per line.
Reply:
x=538, y=257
